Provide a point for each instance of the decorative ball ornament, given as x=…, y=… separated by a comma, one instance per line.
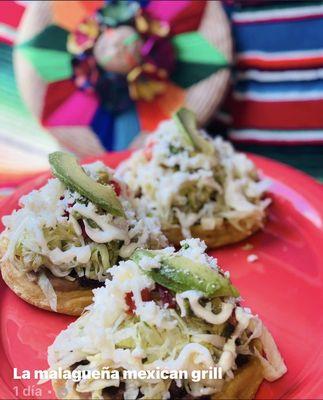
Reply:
x=160, y=52
x=149, y=26
x=118, y=49
x=105, y=70
x=83, y=38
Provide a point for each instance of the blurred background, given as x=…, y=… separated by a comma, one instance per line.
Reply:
x=95, y=76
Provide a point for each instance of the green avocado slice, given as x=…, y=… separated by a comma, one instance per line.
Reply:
x=179, y=274
x=187, y=125
x=65, y=167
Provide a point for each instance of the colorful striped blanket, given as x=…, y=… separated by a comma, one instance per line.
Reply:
x=278, y=95
x=275, y=107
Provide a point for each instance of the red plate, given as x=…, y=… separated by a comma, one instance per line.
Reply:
x=284, y=287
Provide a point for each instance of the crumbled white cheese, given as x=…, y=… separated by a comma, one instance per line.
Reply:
x=252, y=258
x=155, y=337
x=147, y=263
x=48, y=230
x=194, y=249
x=184, y=187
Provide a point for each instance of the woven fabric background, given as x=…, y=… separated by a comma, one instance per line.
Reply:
x=275, y=107
x=24, y=145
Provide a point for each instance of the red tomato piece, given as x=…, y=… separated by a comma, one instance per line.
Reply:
x=116, y=187
x=130, y=303
x=145, y=294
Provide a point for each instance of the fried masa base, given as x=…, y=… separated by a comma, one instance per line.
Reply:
x=221, y=235
x=244, y=386
x=70, y=302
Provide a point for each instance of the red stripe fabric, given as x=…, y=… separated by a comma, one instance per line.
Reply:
x=11, y=13
x=278, y=115
x=280, y=64
x=268, y=43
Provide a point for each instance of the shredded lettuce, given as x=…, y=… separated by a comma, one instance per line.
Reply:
x=58, y=229
x=116, y=335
